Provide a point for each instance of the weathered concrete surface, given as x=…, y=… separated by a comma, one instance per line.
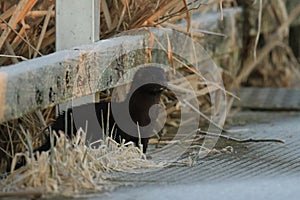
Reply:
x=58, y=77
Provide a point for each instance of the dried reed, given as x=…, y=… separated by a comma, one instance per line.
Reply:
x=70, y=167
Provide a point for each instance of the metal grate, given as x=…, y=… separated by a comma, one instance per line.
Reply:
x=252, y=167
x=258, y=162
x=250, y=160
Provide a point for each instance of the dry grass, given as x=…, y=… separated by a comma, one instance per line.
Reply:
x=15, y=135
x=268, y=59
x=70, y=167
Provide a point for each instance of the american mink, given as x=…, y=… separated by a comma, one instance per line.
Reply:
x=139, y=100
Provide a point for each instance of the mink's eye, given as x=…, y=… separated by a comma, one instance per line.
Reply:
x=157, y=90
x=160, y=90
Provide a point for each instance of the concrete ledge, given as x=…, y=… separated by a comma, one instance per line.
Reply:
x=58, y=77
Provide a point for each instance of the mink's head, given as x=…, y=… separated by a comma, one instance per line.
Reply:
x=149, y=81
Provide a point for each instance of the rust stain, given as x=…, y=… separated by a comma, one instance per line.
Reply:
x=3, y=81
